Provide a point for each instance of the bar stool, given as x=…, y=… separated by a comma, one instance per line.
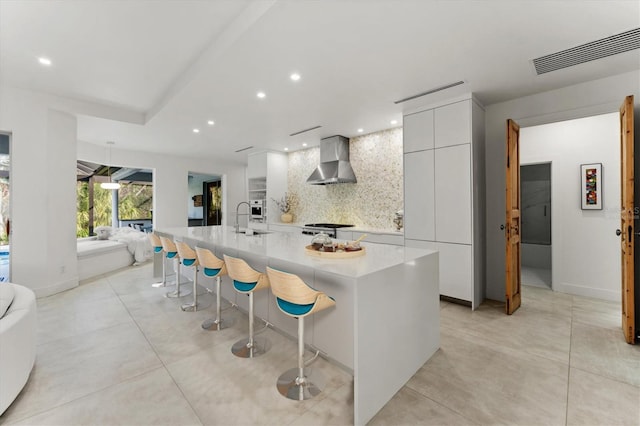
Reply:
x=189, y=259
x=171, y=252
x=213, y=267
x=298, y=300
x=247, y=280
x=156, y=244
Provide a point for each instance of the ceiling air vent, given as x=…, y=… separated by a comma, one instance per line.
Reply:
x=598, y=49
x=244, y=149
x=304, y=131
x=430, y=91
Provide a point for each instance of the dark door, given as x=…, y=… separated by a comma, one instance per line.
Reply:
x=212, y=203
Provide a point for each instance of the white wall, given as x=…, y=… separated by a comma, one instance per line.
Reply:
x=44, y=150
x=43, y=194
x=581, y=100
x=585, y=251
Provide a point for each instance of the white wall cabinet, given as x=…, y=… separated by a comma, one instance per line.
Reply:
x=267, y=180
x=452, y=124
x=452, y=198
x=443, y=205
x=418, y=131
x=419, y=207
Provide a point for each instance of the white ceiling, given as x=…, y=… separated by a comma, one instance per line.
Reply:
x=180, y=63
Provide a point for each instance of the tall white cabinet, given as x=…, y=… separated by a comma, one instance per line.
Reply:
x=267, y=180
x=444, y=192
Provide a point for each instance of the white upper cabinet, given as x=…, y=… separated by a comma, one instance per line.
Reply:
x=453, y=124
x=418, y=131
x=419, y=217
x=257, y=165
x=453, y=194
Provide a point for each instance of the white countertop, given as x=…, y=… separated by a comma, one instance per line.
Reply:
x=289, y=247
x=355, y=228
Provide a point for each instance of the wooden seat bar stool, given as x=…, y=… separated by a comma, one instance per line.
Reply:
x=189, y=259
x=247, y=280
x=298, y=300
x=171, y=252
x=213, y=267
x=156, y=244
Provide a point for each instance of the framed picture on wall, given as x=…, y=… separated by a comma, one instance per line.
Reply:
x=591, y=186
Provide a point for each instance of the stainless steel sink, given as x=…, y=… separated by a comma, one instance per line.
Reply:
x=255, y=232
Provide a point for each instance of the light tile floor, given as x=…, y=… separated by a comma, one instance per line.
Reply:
x=115, y=351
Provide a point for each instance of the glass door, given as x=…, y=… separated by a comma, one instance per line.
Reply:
x=5, y=211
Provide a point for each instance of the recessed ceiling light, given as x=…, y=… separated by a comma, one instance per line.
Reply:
x=261, y=95
x=360, y=130
x=286, y=149
x=196, y=130
x=44, y=61
x=295, y=76
x=394, y=122
x=211, y=122
x=304, y=144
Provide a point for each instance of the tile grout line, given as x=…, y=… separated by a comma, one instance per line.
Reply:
x=566, y=412
x=439, y=403
x=164, y=366
x=22, y=419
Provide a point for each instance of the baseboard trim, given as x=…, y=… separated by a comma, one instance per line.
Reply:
x=56, y=288
x=596, y=293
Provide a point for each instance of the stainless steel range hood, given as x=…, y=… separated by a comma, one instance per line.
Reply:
x=334, y=163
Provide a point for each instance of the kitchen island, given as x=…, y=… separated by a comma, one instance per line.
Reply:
x=385, y=324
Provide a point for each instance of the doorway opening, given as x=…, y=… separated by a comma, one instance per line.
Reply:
x=205, y=200
x=585, y=251
x=5, y=211
x=535, y=193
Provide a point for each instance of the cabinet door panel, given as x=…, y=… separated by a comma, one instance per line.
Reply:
x=453, y=124
x=456, y=279
x=371, y=237
x=453, y=194
x=455, y=270
x=418, y=131
x=419, y=217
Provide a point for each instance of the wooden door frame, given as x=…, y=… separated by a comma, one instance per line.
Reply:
x=627, y=220
x=513, y=263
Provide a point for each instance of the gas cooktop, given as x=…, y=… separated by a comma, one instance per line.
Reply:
x=328, y=228
x=327, y=225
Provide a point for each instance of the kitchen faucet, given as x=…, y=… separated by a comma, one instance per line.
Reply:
x=237, y=225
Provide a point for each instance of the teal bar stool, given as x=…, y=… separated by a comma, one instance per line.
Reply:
x=171, y=252
x=189, y=259
x=156, y=244
x=298, y=300
x=247, y=280
x=213, y=267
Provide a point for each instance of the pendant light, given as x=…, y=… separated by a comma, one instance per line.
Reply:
x=110, y=184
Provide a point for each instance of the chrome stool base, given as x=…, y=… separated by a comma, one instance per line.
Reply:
x=241, y=348
x=213, y=324
x=289, y=385
x=190, y=307
x=174, y=294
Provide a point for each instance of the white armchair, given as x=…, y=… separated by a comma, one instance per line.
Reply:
x=17, y=340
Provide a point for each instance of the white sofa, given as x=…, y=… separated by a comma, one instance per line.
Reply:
x=17, y=340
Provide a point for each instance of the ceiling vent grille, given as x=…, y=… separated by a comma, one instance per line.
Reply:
x=304, y=131
x=587, y=52
x=430, y=91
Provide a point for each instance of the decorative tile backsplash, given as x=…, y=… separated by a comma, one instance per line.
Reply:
x=376, y=159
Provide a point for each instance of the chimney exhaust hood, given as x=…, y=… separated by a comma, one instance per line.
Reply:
x=334, y=163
